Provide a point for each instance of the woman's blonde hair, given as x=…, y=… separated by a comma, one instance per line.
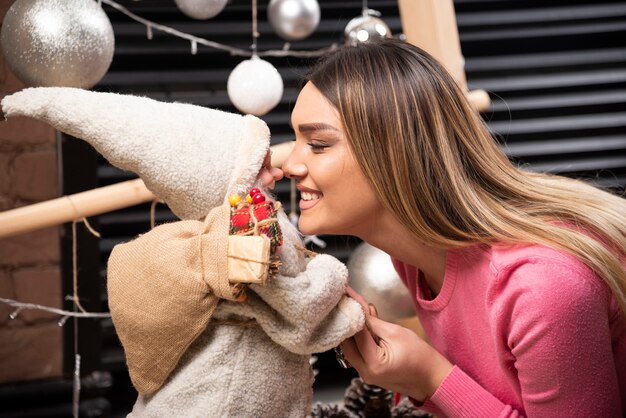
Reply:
x=434, y=164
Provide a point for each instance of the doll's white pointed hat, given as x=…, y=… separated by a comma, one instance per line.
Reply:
x=189, y=156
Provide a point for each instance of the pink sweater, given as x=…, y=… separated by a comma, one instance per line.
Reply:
x=531, y=332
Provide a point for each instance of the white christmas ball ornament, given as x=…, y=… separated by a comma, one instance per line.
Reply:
x=366, y=28
x=201, y=9
x=66, y=43
x=372, y=275
x=255, y=86
x=293, y=19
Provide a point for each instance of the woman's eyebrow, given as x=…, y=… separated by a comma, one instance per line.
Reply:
x=310, y=127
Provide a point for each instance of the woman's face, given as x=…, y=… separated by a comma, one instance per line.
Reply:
x=335, y=197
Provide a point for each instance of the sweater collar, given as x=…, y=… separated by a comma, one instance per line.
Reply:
x=447, y=289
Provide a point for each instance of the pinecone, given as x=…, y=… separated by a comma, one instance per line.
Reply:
x=321, y=410
x=367, y=401
x=406, y=409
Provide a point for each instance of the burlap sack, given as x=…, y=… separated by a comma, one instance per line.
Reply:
x=163, y=288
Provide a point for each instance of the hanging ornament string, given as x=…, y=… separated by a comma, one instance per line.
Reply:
x=77, y=304
x=75, y=297
x=194, y=40
x=76, y=385
x=255, y=32
x=76, y=391
x=293, y=215
x=153, y=212
x=78, y=218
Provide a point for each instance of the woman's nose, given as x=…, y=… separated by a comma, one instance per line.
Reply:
x=292, y=166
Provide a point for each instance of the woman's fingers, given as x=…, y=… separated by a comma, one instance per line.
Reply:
x=354, y=295
x=352, y=354
x=365, y=346
x=368, y=345
x=401, y=361
x=368, y=309
x=382, y=329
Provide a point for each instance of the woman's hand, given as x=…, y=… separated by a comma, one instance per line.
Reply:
x=394, y=357
x=268, y=174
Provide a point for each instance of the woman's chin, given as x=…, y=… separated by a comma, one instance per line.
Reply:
x=307, y=228
x=304, y=229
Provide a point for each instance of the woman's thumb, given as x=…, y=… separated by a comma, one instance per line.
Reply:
x=390, y=330
x=379, y=328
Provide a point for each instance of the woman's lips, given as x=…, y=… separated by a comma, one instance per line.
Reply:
x=309, y=198
x=308, y=204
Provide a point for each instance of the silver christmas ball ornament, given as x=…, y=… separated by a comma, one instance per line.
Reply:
x=367, y=27
x=66, y=43
x=293, y=20
x=255, y=86
x=372, y=275
x=201, y=9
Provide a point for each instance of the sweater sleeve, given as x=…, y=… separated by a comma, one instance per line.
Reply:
x=461, y=396
x=553, y=321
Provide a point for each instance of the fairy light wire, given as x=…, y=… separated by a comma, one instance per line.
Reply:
x=20, y=306
x=195, y=40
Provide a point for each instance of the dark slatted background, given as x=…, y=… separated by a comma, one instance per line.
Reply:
x=556, y=73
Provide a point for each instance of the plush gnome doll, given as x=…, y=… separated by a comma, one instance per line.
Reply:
x=208, y=328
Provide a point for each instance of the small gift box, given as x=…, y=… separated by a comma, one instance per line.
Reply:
x=263, y=215
x=248, y=258
x=254, y=239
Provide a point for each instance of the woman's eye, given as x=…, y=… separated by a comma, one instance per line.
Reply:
x=317, y=147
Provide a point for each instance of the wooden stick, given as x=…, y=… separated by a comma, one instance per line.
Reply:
x=431, y=25
x=479, y=99
x=92, y=202
x=73, y=207
x=280, y=152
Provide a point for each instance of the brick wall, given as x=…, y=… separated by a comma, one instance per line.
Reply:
x=31, y=345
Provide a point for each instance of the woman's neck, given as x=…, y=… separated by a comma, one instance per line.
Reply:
x=393, y=238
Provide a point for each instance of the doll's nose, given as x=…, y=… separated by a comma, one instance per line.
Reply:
x=276, y=173
x=269, y=174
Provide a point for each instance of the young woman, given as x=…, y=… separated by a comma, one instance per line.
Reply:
x=518, y=278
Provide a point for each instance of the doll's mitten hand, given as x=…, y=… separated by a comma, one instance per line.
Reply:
x=311, y=294
x=310, y=312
